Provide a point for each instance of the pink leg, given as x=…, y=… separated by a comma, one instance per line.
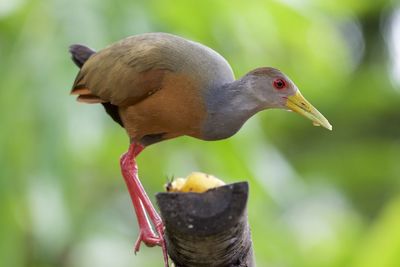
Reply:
x=142, y=203
x=146, y=232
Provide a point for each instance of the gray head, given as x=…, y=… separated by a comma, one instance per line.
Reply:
x=270, y=88
x=230, y=106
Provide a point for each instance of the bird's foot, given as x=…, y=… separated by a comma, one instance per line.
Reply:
x=151, y=240
x=148, y=238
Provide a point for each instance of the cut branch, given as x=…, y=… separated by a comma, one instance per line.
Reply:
x=208, y=229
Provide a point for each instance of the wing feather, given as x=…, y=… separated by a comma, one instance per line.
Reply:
x=124, y=73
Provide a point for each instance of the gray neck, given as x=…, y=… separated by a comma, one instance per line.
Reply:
x=229, y=107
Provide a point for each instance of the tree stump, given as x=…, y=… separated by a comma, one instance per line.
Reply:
x=208, y=229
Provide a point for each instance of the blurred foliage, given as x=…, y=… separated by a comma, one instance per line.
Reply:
x=318, y=198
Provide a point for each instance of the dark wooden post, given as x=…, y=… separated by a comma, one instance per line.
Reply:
x=208, y=229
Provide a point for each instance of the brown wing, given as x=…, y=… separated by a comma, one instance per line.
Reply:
x=124, y=73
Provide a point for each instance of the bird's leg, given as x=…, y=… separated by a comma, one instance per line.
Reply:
x=142, y=203
x=146, y=232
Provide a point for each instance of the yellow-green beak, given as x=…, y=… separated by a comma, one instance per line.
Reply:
x=299, y=104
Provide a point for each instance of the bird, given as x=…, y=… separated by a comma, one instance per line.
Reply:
x=160, y=86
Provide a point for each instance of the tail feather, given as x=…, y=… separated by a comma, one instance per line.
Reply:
x=80, y=54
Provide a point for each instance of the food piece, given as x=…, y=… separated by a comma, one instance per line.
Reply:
x=195, y=182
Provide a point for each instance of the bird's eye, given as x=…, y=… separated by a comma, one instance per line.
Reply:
x=279, y=84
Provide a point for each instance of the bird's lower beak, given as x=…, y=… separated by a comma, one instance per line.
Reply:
x=299, y=104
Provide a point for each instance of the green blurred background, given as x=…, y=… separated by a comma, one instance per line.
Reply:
x=318, y=198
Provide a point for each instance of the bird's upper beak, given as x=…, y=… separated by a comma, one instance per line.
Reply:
x=299, y=104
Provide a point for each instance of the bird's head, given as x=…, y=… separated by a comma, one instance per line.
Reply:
x=273, y=89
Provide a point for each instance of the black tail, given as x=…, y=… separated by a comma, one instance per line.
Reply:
x=80, y=54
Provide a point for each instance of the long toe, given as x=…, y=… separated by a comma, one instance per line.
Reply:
x=160, y=230
x=165, y=253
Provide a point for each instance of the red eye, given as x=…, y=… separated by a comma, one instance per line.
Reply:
x=279, y=84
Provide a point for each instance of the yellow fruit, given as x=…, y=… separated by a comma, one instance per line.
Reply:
x=196, y=182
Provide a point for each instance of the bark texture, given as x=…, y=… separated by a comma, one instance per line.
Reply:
x=208, y=229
